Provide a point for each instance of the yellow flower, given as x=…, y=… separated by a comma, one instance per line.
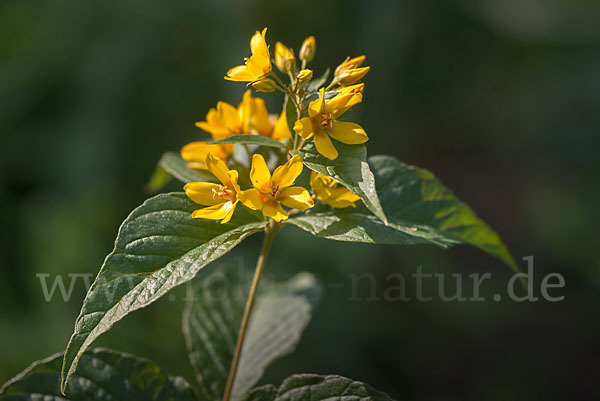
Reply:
x=308, y=49
x=227, y=120
x=268, y=125
x=220, y=199
x=258, y=65
x=349, y=72
x=326, y=189
x=322, y=123
x=304, y=75
x=195, y=153
x=271, y=191
x=284, y=58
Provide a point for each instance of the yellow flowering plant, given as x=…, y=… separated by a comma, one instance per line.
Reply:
x=305, y=166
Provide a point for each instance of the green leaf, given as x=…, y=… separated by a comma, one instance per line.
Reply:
x=159, y=179
x=316, y=83
x=291, y=114
x=159, y=246
x=252, y=140
x=350, y=169
x=177, y=167
x=420, y=210
x=311, y=387
x=212, y=320
x=103, y=375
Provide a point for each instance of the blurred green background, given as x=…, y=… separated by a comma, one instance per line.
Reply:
x=498, y=98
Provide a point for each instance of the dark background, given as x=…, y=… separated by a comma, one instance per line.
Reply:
x=498, y=98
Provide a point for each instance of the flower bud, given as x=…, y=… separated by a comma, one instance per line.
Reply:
x=352, y=75
x=346, y=66
x=304, y=75
x=284, y=58
x=264, y=85
x=308, y=49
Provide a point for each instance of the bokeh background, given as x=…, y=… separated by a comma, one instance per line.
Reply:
x=498, y=98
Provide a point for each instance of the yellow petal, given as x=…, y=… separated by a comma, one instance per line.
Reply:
x=197, y=152
x=325, y=146
x=239, y=73
x=258, y=66
x=218, y=168
x=304, y=127
x=259, y=173
x=339, y=102
x=222, y=211
x=251, y=198
x=258, y=44
x=203, y=193
x=317, y=106
x=285, y=175
x=348, y=133
x=281, y=132
x=244, y=112
x=229, y=115
x=260, y=117
x=274, y=210
x=233, y=179
x=296, y=198
x=341, y=198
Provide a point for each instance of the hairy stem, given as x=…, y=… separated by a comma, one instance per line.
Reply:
x=269, y=233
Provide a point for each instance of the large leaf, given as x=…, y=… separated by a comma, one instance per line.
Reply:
x=159, y=246
x=309, y=387
x=420, y=209
x=252, y=140
x=103, y=375
x=350, y=169
x=212, y=321
x=177, y=167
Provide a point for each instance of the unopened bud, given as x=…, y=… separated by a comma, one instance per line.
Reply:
x=308, y=49
x=264, y=85
x=304, y=75
x=284, y=58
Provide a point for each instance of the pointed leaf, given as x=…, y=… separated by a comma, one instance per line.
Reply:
x=252, y=140
x=420, y=210
x=350, y=169
x=212, y=320
x=103, y=375
x=159, y=246
x=177, y=167
x=317, y=388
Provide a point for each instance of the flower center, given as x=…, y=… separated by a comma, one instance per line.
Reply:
x=326, y=121
x=224, y=193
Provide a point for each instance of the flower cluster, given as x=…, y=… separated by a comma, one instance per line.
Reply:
x=318, y=109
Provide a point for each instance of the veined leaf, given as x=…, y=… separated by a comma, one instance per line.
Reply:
x=103, y=375
x=420, y=209
x=212, y=320
x=159, y=246
x=317, y=388
x=350, y=169
x=177, y=167
x=252, y=140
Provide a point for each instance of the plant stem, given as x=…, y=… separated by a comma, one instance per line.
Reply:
x=270, y=231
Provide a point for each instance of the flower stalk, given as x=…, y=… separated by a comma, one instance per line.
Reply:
x=270, y=231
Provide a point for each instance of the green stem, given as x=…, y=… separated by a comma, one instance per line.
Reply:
x=270, y=231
